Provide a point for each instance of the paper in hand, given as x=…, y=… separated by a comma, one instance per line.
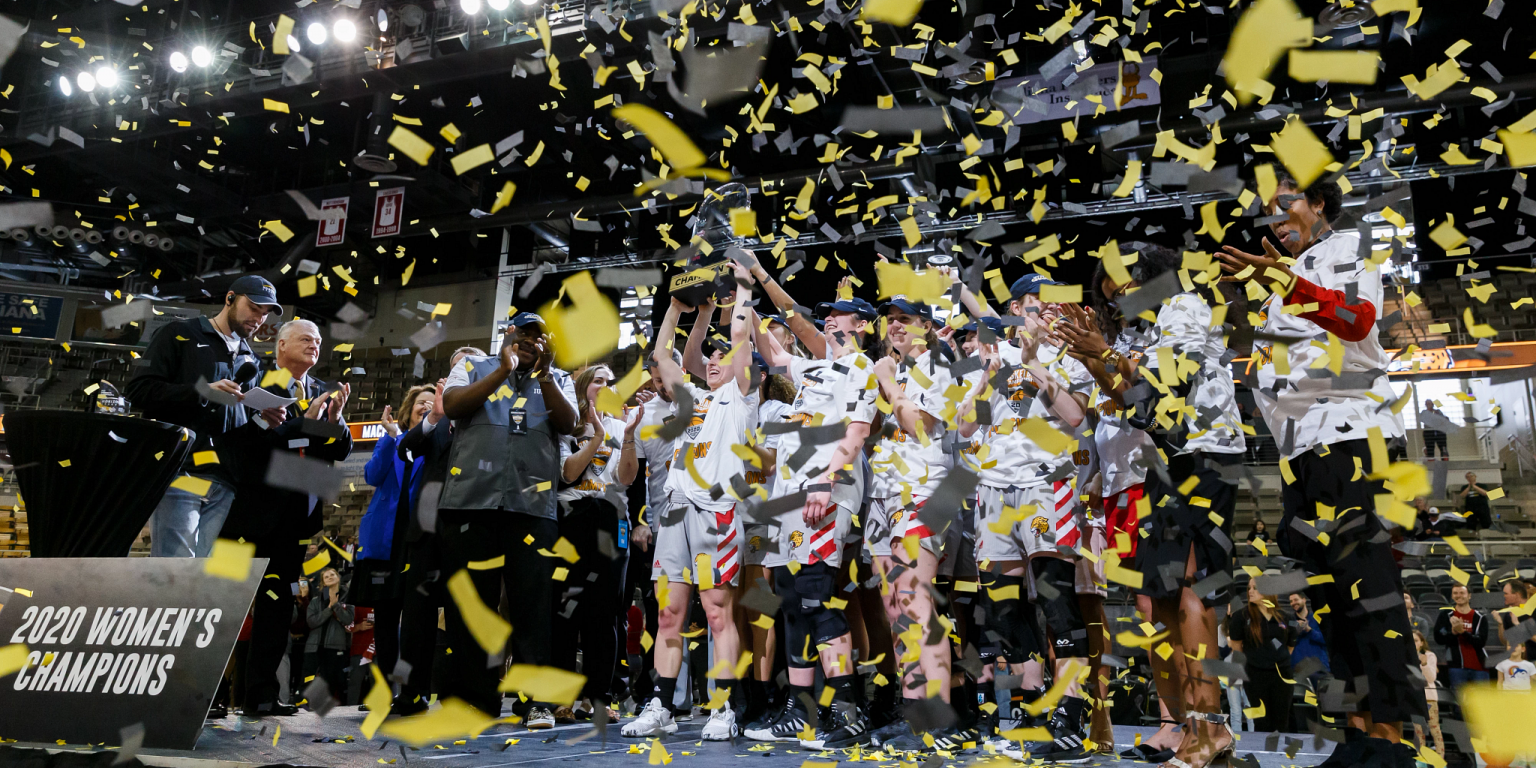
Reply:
x=261, y=399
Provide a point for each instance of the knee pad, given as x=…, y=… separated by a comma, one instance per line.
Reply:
x=796, y=623
x=1011, y=620
x=1063, y=616
x=816, y=585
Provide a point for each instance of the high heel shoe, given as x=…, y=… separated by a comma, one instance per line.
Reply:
x=1221, y=756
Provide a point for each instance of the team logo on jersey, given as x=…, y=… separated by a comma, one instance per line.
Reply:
x=1039, y=525
x=896, y=516
x=796, y=538
x=696, y=424
x=755, y=543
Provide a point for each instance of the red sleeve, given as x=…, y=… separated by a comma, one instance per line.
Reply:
x=1333, y=313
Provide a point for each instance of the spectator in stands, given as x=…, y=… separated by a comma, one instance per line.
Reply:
x=1424, y=519
x=1516, y=594
x=1463, y=631
x=1474, y=503
x=277, y=520
x=1430, y=667
x=1265, y=642
x=1432, y=419
x=381, y=535
x=1515, y=672
x=1258, y=532
x=502, y=502
x=195, y=375
x=325, y=653
x=1309, y=642
x=1419, y=619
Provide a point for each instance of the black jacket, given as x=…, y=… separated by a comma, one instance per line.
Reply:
x=165, y=386
x=433, y=446
x=1478, y=636
x=260, y=509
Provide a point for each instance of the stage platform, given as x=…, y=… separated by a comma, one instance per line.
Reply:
x=307, y=740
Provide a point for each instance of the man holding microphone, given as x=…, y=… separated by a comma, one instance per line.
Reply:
x=194, y=375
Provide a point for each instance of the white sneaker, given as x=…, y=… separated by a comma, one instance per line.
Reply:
x=539, y=718
x=721, y=725
x=654, y=719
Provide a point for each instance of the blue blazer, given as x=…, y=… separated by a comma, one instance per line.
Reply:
x=386, y=472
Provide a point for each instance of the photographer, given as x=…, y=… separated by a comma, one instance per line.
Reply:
x=213, y=351
x=502, y=501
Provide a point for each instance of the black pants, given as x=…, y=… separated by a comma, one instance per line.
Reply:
x=424, y=595
x=1374, y=667
x=1265, y=685
x=637, y=577
x=1433, y=438
x=271, y=616
x=478, y=535
x=296, y=672
x=590, y=612
x=330, y=665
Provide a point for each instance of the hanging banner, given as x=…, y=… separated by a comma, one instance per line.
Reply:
x=388, y=210
x=30, y=316
x=333, y=228
x=1114, y=86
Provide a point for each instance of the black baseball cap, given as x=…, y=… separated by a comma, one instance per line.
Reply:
x=1030, y=283
x=993, y=323
x=902, y=305
x=259, y=290
x=857, y=306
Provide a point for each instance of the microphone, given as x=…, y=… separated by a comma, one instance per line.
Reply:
x=245, y=372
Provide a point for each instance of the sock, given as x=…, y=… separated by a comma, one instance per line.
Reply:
x=666, y=690
x=842, y=688
x=729, y=686
x=796, y=690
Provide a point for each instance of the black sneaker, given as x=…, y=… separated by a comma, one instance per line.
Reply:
x=890, y=731
x=406, y=705
x=1066, y=748
x=786, y=724
x=1348, y=752
x=218, y=712
x=906, y=742
x=883, y=708
x=271, y=709
x=956, y=739
x=844, y=726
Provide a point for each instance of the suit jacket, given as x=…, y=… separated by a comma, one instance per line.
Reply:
x=259, y=509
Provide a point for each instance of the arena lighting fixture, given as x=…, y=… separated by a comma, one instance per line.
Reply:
x=383, y=21
x=201, y=56
x=498, y=5
x=65, y=87
x=293, y=44
x=470, y=7
x=530, y=2
x=316, y=33
x=86, y=81
x=106, y=77
x=344, y=31
x=178, y=61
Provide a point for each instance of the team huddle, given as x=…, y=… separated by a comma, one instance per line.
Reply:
x=943, y=502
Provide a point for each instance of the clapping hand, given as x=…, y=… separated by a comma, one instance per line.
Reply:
x=390, y=425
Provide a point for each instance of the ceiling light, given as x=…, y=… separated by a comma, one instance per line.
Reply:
x=383, y=21
x=201, y=56
x=293, y=44
x=499, y=5
x=530, y=2
x=178, y=61
x=86, y=82
x=106, y=77
x=65, y=87
x=344, y=31
x=470, y=7
x=316, y=33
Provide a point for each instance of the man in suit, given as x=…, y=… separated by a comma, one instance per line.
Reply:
x=280, y=521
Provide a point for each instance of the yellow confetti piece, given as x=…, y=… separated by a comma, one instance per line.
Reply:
x=280, y=35
x=674, y=144
x=1302, y=153
x=13, y=658
x=378, y=701
x=1335, y=66
x=1500, y=719
x=278, y=228
x=586, y=330
x=1266, y=30
x=502, y=199
x=274, y=106
x=453, y=719
x=488, y=628
x=196, y=486
x=499, y=561
x=473, y=158
x=450, y=133
x=415, y=147
x=897, y=12
x=545, y=684
x=318, y=562
x=230, y=560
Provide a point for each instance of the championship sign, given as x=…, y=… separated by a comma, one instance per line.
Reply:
x=111, y=643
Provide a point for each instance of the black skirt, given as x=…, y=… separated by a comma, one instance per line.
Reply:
x=1177, y=526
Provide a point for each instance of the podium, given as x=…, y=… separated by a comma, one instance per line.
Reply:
x=91, y=481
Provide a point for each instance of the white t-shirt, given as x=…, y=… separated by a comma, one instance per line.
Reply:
x=657, y=453
x=1122, y=448
x=1011, y=458
x=1515, y=675
x=230, y=340
x=721, y=418
x=1184, y=326
x=1325, y=414
x=603, y=470
x=829, y=391
x=769, y=412
x=902, y=460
